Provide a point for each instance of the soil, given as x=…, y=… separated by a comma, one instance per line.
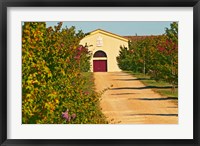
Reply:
x=129, y=101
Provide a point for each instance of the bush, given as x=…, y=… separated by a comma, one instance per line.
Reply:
x=52, y=85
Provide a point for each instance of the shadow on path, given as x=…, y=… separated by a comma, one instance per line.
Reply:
x=163, y=98
x=123, y=94
x=140, y=88
x=172, y=107
x=176, y=115
x=120, y=75
x=138, y=79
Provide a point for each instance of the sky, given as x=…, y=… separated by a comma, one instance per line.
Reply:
x=123, y=28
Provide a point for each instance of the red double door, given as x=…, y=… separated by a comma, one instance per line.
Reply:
x=100, y=65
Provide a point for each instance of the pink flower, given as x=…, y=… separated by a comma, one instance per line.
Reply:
x=73, y=116
x=79, y=48
x=66, y=115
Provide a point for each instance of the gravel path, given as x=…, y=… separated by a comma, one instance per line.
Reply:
x=130, y=102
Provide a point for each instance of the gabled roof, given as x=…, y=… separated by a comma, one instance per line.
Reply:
x=108, y=34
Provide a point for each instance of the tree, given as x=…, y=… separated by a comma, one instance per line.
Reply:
x=154, y=55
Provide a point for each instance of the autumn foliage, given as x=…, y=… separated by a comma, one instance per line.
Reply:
x=52, y=82
x=156, y=56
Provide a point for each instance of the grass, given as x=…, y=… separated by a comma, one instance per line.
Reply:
x=160, y=87
x=89, y=86
x=89, y=81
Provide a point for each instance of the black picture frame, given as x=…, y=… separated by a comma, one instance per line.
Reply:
x=4, y=4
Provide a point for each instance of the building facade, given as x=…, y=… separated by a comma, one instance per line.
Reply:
x=105, y=47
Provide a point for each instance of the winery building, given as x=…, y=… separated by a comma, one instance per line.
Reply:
x=105, y=47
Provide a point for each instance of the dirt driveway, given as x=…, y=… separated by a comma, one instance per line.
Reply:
x=130, y=102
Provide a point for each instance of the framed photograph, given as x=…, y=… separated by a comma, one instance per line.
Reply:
x=99, y=72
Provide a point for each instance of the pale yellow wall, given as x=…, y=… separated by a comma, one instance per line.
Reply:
x=111, y=47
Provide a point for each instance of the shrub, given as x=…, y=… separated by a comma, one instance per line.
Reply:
x=51, y=77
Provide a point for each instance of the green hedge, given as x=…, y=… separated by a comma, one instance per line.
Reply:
x=52, y=85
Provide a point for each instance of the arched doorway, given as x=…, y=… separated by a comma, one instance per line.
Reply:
x=100, y=61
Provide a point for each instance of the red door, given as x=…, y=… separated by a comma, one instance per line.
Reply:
x=100, y=65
